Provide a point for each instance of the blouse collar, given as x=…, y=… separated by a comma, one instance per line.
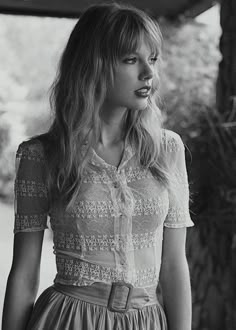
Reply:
x=128, y=153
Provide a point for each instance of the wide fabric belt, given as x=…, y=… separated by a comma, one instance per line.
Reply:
x=117, y=297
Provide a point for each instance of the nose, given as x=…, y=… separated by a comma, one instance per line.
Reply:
x=147, y=72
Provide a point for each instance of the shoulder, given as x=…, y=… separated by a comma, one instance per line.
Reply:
x=171, y=141
x=32, y=149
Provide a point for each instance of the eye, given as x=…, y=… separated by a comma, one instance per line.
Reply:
x=154, y=59
x=130, y=60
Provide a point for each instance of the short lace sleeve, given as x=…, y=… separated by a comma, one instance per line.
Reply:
x=178, y=214
x=31, y=194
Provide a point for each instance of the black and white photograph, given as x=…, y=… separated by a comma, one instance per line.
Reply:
x=118, y=165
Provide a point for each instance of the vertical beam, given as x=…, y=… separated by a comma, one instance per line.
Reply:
x=226, y=83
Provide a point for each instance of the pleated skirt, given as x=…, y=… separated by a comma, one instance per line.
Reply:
x=65, y=309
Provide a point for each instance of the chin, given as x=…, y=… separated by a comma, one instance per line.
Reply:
x=142, y=106
x=139, y=105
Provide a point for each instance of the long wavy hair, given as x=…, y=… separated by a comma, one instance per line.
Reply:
x=103, y=34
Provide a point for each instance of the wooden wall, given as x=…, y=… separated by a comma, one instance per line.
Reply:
x=73, y=8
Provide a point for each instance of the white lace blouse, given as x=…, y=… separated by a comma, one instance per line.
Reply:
x=115, y=229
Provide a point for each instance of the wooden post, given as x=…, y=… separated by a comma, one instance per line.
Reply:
x=226, y=83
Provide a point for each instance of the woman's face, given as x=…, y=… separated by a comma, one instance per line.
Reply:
x=133, y=79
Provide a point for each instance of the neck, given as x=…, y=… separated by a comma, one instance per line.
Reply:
x=112, y=128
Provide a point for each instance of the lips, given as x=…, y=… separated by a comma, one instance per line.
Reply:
x=144, y=89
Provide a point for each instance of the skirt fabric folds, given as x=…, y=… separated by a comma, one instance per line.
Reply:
x=62, y=307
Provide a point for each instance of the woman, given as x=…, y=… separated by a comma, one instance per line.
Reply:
x=114, y=184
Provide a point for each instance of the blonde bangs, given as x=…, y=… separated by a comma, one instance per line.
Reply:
x=127, y=32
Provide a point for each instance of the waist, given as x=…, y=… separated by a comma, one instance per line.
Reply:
x=118, y=296
x=72, y=270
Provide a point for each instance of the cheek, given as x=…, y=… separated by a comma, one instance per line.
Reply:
x=121, y=88
x=124, y=85
x=125, y=79
x=120, y=83
x=156, y=81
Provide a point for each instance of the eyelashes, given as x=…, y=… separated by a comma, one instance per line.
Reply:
x=133, y=60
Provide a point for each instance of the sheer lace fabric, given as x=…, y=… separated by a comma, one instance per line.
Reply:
x=115, y=229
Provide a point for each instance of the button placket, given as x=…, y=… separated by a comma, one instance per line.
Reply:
x=116, y=184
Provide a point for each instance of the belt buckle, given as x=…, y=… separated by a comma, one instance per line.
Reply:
x=114, y=288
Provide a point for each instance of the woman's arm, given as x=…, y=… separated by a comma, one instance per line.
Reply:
x=175, y=280
x=23, y=280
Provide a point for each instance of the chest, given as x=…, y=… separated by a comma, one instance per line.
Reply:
x=113, y=203
x=112, y=156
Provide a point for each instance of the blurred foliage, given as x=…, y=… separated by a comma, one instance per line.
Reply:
x=221, y=146
x=6, y=169
x=32, y=46
x=4, y=137
x=190, y=68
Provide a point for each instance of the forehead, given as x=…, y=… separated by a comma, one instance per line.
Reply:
x=144, y=43
x=145, y=47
